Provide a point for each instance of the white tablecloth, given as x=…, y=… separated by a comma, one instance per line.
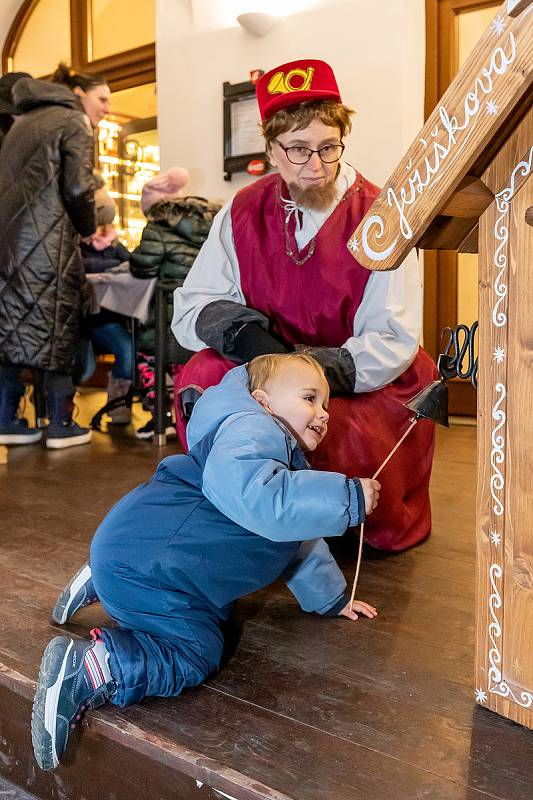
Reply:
x=121, y=292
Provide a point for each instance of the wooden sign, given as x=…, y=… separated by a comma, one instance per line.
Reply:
x=488, y=89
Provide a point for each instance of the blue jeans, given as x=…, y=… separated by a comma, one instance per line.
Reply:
x=58, y=387
x=113, y=338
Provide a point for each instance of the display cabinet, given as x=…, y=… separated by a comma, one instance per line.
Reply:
x=128, y=157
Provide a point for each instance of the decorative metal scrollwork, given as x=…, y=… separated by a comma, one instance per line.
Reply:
x=459, y=359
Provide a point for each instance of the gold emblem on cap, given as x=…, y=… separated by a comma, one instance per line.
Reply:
x=281, y=82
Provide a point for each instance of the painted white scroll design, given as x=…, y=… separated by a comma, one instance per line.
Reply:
x=501, y=234
x=497, y=453
x=495, y=683
x=497, y=482
x=495, y=629
x=448, y=138
x=377, y=255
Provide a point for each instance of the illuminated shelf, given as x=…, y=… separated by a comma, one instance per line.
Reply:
x=127, y=163
x=126, y=195
x=124, y=174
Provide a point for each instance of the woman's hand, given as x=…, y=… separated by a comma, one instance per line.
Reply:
x=358, y=605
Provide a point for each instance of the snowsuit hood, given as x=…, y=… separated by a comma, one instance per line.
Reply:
x=218, y=403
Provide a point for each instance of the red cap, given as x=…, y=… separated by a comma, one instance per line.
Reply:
x=300, y=81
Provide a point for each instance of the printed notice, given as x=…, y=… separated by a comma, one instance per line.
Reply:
x=245, y=132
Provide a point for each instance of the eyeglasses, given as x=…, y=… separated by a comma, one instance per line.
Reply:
x=301, y=155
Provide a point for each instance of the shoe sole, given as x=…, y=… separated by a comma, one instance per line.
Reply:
x=168, y=432
x=62, y=611
x=144, y=435
x=44, y=712
x=68, y=441
x=20, y=438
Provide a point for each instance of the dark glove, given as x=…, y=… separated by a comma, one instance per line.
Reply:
x=338, y=365
x=235, y=331
x=252, y=340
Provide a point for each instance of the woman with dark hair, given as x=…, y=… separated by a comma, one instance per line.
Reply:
x=46, y=204
x=92, y=91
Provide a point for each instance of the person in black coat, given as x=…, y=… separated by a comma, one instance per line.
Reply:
x=46, y=204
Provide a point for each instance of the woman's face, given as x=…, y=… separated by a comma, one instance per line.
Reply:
x=96, y=102
x=314, y=174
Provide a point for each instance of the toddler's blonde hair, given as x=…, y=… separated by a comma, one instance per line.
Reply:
x=262, y=368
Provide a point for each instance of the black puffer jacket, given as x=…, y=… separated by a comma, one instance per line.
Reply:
x=171, y=240
x=46, y=202
x=175, y=232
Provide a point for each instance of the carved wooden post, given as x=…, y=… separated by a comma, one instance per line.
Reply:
x=471, y=165
x=504, y=658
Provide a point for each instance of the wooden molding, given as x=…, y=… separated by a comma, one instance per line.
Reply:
x=122, y=70
x=125, y=70
x=78, y=33
x=15, y=32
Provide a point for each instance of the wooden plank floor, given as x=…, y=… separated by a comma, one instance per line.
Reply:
x=304, y=708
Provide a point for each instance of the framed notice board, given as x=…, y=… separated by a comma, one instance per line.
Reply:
x=244, y=149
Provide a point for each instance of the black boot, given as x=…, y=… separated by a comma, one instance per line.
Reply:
x=62, y=431
x=13, y=430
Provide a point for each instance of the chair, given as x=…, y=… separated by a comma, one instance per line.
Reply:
x=136, y=392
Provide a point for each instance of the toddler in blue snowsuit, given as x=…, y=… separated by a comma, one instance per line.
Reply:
x=240, y=510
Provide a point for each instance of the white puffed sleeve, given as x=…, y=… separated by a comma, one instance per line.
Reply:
x=387, y=326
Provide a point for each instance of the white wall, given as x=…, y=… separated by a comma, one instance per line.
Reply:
x=376, y=48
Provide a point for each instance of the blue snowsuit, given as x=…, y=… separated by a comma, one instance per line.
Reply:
x=236, y=513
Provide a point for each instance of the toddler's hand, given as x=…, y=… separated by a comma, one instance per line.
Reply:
x=362, y=608
x=371, y=493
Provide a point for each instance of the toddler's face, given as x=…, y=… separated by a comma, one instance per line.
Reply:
x=298, y=396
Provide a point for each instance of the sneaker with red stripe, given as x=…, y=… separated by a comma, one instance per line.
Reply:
x=71, y=680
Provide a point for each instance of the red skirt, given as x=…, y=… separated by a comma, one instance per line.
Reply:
x=363, y=429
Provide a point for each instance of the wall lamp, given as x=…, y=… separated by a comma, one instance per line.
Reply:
x=256, y=23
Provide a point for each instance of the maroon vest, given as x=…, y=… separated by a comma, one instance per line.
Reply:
x=313, y=303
